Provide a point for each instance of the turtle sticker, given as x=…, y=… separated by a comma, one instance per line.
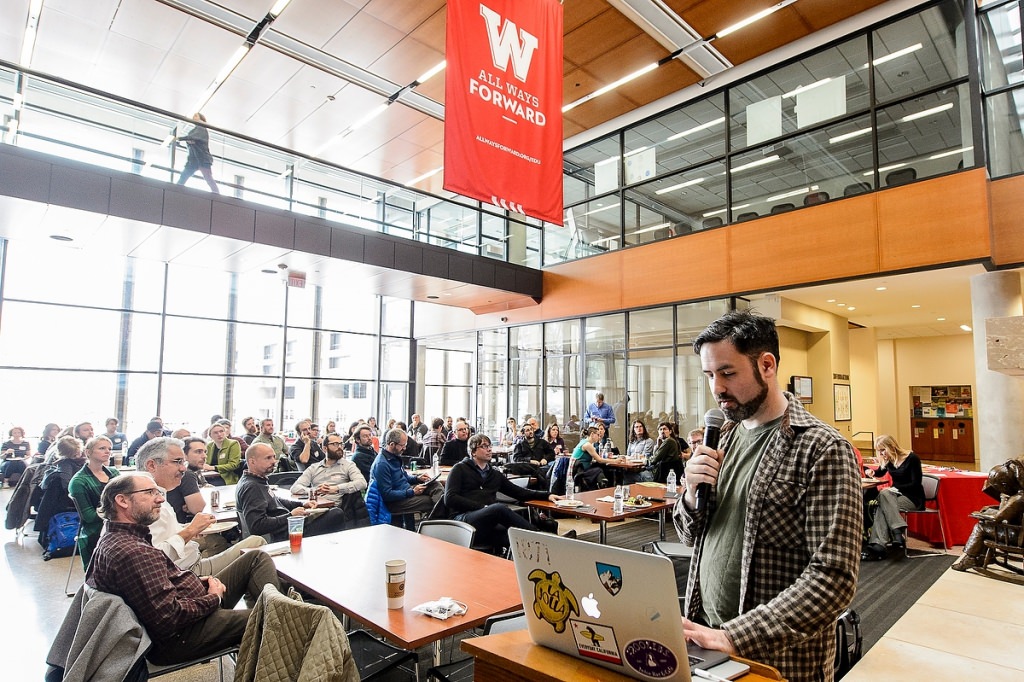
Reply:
x=553, y=602
x=596, y=641
x=610, y=576
x=650, y=658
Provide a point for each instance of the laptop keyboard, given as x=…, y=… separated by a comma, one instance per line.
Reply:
x=694, y=660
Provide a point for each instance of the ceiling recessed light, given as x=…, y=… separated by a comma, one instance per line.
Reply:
x=433, y=297
x=966, y=327
x=61, y=238
x=851, y=307
x=940, y=319
x=266, y=271
x=880, y=288
x=841, y=305
x=915, y=306
x=831, y=300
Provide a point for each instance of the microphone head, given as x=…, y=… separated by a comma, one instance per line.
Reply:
x=714, y=419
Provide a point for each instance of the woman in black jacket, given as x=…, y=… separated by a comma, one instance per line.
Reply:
x=906, y=494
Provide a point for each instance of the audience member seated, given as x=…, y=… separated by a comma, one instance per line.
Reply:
x=667, y=455
x=334, y=477
x=471, y=495
x=118, y=441
x=185, y=499
x=85, y=488
x=531, y=448
x=267, y=435
x=412, y=448
x=223, y=456
x=1006, y=485
x=154, y=429
x=403, y=494
x=457, y=449
x=554, y=438
x=435, y=438
x=305, y=450
x=640, y=446
x=17, y=447
x=906, y=494
x=186, y=616
x=55, y=482
x=585, y=456
x=185, y=545
x=47, y=439
x=242, y=445
x=364, y=453
x=264, y=514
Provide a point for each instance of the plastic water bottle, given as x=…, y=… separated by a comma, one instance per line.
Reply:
x=606, y=450
x=436, y=464
x=570, y=485
x=670, y=483
x=617, y=504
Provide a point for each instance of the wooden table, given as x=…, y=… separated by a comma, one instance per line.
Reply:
x=602, y=511
x=435, y=569
x=619, y=467
x=513, y=657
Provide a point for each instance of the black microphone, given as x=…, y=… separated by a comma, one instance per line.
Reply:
x=714, y=419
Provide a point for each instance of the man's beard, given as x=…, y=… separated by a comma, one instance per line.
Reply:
x=748, y=409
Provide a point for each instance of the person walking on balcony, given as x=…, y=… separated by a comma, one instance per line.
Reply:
x=199, y=157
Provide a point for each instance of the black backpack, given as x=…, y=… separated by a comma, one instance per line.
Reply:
x=849, y=642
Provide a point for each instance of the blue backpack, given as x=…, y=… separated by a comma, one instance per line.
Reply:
x=61, y=534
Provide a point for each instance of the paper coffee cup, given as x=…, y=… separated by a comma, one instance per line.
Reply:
x=395, y=582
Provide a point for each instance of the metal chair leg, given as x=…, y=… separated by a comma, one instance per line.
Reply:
x=71, y=567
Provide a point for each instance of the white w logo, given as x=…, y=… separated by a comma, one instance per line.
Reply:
x=509, y=42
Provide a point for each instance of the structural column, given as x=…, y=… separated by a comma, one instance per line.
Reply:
x=998, y=398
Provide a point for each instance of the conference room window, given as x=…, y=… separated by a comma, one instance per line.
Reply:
x=920, y=52
x=1003, y=72
x=394, y=359
x=1002, y=60
x=596, y=164
x=687, y=136
x=676, y=204
x=829, y=84
x=492, y=379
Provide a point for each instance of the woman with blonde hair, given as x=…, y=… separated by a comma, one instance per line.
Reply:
x=906, y=494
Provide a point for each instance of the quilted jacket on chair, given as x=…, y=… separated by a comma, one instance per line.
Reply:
x=379, y=513
x=290, y=641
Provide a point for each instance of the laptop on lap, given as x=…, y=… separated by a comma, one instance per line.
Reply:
x=613, y=607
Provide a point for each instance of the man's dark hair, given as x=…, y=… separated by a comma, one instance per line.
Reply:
x=477, y=440
x=154, y=426
x=119, y=485
x=394, y=436
x=194, y=439
x=752, y=334
x=437, y=423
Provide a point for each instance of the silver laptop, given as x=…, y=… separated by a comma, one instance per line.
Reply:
x=614, y=607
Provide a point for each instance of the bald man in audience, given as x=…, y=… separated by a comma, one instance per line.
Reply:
x=186, y=616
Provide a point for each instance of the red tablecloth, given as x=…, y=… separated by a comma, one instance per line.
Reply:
x=959, y=495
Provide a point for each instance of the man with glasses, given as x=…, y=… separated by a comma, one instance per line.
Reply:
x=693, y=439
x=404, y=494
x=471, y=495
x=457, y=449
x=332, y=478
x=186, y=616
x=185, y=545
x=305, y=450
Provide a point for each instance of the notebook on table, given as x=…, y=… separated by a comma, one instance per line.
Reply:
x=613, y=607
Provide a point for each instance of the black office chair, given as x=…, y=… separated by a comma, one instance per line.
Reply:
x=713, y=221
x=856, y=188
x=902, y=176
x=816, y=198
x=782, y=208
x=376, y=659
x=462, y=671
x=749, y=215
x=283, y=477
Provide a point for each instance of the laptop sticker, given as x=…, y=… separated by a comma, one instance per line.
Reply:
x=650, y=658
x=596, y=641
x=553, y=602
x=611, y=577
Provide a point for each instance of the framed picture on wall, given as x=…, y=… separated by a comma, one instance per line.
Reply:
x=842, y=402
x=802, y=388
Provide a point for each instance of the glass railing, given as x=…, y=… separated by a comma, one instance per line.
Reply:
x=81, y=124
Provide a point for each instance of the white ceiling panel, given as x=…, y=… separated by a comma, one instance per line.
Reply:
x=211, y=252
x=150, y=22
x=275, y=123
x=167, y=244
x=13, y=15
x=205, y=42
x=118, y=235
x=363, y=40
x=314, y=22
x=311, y=85
x=254, y=9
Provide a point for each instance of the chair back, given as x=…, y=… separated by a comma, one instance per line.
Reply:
x=456, y=532
x=283, y=477
x=931, y=486
x=506, y=622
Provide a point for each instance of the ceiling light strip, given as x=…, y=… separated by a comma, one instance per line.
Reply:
x=753, y=18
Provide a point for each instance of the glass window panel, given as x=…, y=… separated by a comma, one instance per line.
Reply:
x=394, y=402
x=140, y=404
x=562, y=337
x=814, y=89
x=693, y=318
x=448, y=366
x=606, y=373
x=394, y=359
x=260, y=297
x=684, y=137
x=302, y=306
x=559, y=243
x=92, y=338
x=298, y=399
x=526, y=340
x=189, y=400
x=147, y=279
x=344, y=308
x=919, y=52
x=453, y=401
x=353, y=355
x=595, y=227
x=1005, y=140
x=198, y=292
x=650, y=328
x=298, y=357
x=606, y=332
x=195, y=346
x=1002, y=59
x=522, y=244
x=594, y=162
x=803, y=170
x=926, y=136
x=258, y=397
x=563, y=388
x=677, y=204
x=574, y=189
x=38, y=403
x=452, y=224
x=344, y=401
x=693, y=396
x=396, y=316
x=31, y=278
x=492, y=380
x=525, y=391
x=651, y=386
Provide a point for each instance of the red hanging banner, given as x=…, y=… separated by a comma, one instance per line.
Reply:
x=503, y=104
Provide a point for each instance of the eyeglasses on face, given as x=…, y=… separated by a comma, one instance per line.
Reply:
x=180, y=462
x=153, y=492
x=695, y=443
